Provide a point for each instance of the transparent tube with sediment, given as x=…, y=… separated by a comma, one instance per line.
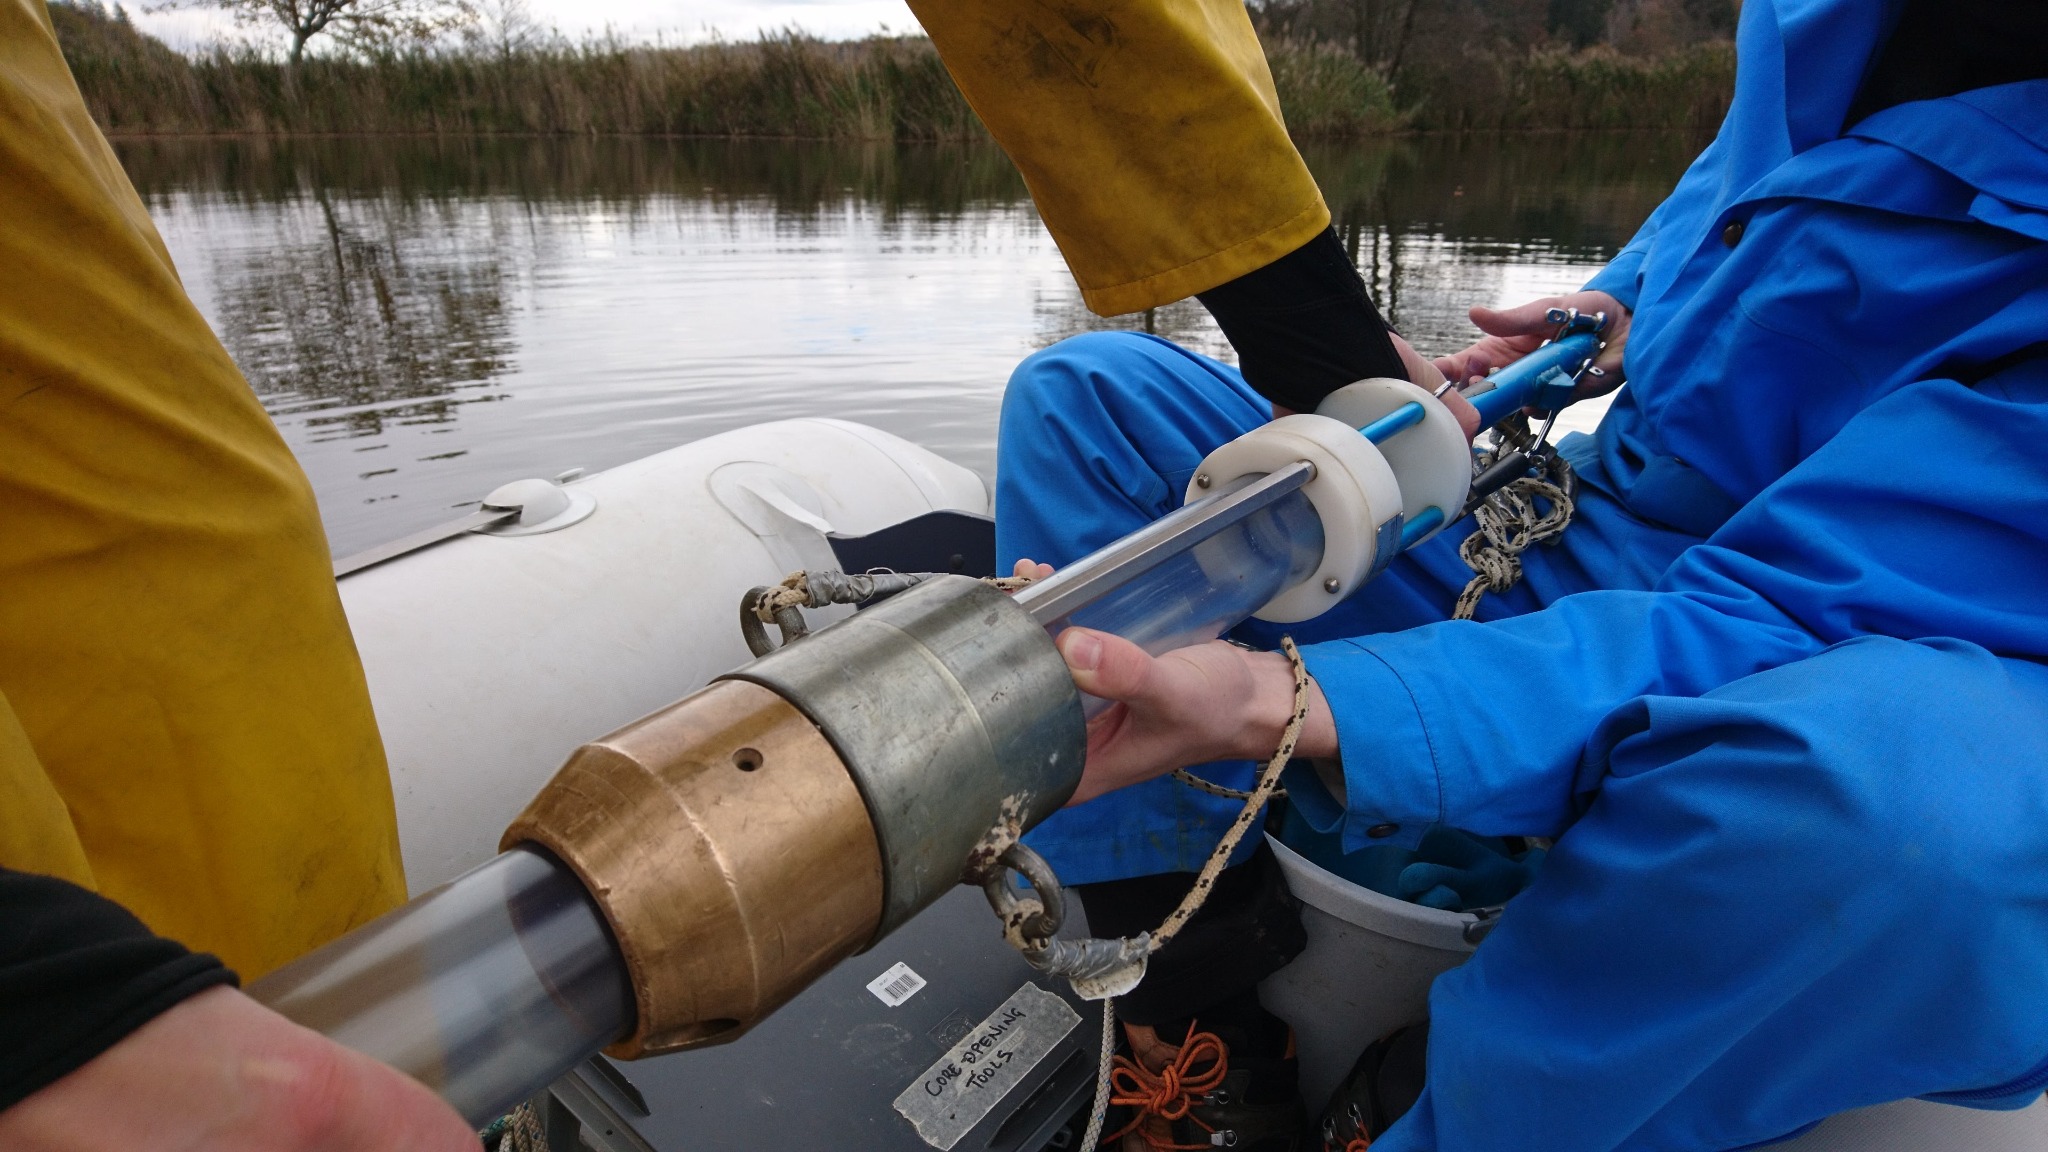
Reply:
x=1193, y=574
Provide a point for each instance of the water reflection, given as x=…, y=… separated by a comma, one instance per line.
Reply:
x=362, y=315
x=427, y=318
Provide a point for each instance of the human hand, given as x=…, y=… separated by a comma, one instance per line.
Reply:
x=1425, y=373
x=1206, y=702
x=1516, y=332
x=222, y=1073
x=1028, y=569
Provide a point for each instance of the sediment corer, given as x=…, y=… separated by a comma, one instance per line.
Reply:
x=684, y=876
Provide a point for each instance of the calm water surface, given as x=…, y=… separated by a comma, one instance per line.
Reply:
x=426, y=319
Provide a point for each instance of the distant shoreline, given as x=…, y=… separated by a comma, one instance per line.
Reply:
x=794, y=87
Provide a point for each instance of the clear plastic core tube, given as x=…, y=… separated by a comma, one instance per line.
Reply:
x=485, y=989
x=1192, y=575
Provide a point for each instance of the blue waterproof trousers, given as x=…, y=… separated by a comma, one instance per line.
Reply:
x=1818, y=887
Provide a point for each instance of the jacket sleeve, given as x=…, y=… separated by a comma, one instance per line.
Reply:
x=1149, y=133
x=1623, y=276
x=171, y=637
x=1926, y=516
x=78, y=973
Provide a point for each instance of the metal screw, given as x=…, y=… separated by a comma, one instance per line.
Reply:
x=1331, y=585
x=1201, y=479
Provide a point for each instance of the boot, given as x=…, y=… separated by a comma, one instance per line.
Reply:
x=1382, y=1085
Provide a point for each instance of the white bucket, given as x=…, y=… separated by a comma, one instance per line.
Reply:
x=1366, y=971
x=1371, y=959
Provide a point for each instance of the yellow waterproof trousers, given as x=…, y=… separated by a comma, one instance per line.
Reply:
x=183, y=720
x=1147, y=130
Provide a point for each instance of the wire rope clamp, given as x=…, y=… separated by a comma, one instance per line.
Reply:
x=1355, y=494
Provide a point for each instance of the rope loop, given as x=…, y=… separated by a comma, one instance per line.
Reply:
x=1170, y=1093
x=781, y=604
x=1510, y=521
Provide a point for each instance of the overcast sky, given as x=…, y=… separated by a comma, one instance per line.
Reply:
x=670, y=20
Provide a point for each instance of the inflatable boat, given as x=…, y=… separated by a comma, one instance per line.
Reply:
x=569, y=607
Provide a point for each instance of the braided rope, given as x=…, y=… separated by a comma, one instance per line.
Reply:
x=1214, y=789
x=1269, y=783
x=1510, y=522
x=523, y=1131
x=1205, y=881
x=1105, y=1062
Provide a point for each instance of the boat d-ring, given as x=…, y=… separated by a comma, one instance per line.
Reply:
x=1033, y=917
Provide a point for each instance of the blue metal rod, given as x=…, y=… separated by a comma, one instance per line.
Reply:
x=1414, y=530
x=1542, y=379
x=1399, y=420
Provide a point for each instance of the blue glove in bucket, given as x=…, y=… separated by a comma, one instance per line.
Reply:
x=1451, y=870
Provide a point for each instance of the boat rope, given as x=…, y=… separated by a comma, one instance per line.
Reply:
x=781, y=604
x=1104, y=969
x=1214, y=789
x=1171, y=1092
x=1509, y=521
x=520, y=1130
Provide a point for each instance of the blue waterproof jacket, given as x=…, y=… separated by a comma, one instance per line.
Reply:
x=1835, y=376
x=1781, y=691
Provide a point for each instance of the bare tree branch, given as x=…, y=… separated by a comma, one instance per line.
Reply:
x=357, y=25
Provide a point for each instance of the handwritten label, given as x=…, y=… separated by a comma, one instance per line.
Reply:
x=896, y=985
x=953, y=1095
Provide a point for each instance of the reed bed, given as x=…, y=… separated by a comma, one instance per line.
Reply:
x=791, y=85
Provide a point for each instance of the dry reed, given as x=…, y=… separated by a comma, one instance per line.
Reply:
x=792, y=85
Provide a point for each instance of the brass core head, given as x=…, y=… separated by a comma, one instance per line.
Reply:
x=730, y=851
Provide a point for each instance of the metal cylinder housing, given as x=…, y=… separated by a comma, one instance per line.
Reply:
x=952, y=711
x=729, y=851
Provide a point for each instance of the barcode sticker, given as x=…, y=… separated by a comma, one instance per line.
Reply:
x=896, y=985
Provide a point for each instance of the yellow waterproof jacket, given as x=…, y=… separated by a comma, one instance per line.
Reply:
x=1148, y=132
x=183, y=720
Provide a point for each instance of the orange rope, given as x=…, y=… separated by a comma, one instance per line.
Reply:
x=1170, y=1092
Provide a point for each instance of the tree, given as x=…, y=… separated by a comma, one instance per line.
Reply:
x=357, y=24
x=506, y=28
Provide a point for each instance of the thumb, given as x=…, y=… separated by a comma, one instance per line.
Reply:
x=1105, y=665
x=1529, y=319
x=392, y=1110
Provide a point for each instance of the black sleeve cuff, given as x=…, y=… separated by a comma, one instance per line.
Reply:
x=1304, y=326
x=77, y=973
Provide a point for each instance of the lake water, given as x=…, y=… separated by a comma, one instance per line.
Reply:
x=426, y=319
